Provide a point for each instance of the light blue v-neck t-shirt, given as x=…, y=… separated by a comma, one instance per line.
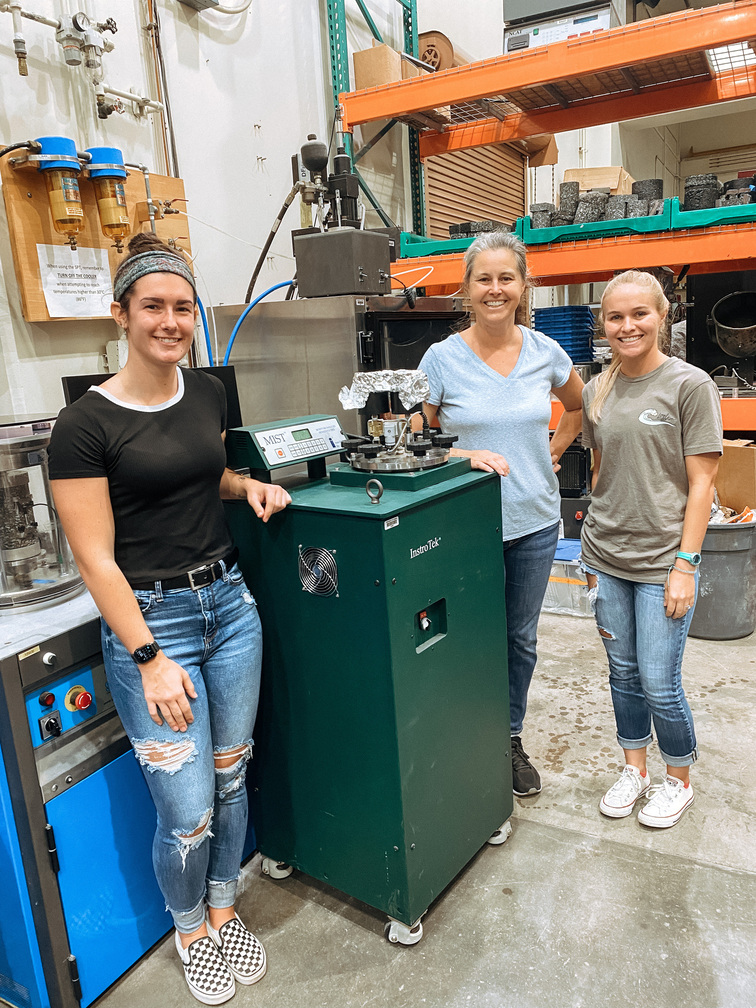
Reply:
x=505, y=415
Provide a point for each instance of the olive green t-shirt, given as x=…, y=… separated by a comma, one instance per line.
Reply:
x=647, y=427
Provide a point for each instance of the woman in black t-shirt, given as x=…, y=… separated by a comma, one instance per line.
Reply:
x=138, y=476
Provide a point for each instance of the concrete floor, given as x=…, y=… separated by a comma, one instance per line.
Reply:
x=574, y=910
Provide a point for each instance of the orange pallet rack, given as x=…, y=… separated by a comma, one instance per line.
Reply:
x=636, y=70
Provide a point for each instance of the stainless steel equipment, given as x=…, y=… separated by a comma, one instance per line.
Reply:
x=342, y=261
x=721, y=321
x=292, y=357
x=36, y=564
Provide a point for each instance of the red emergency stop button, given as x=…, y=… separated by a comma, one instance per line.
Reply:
x=78, y=698
x=82, y=700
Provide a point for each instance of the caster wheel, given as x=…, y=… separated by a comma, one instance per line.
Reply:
x=502, y=834
x=275, y=869
x=403, y=934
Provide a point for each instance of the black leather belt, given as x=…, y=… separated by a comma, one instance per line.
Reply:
x=200, y=577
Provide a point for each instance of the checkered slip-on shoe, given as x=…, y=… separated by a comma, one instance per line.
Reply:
x=206, y=972
x=242, y=952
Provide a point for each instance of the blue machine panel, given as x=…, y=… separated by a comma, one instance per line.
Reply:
x=114, y=911
x=22, y=982
x=60, y=690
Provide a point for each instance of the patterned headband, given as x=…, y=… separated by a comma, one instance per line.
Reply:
x=153, y=261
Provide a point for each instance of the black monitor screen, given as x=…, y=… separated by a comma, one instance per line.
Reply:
x=75, y=386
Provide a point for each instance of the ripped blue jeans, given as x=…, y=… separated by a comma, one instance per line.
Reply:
x=214, y=633
x=645, y=651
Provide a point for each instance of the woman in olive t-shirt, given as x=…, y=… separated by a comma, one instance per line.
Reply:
x=654, y=424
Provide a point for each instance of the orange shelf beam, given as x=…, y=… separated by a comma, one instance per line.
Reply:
x=641, y=42
x=651, y=101
x=705, y=250
x=737, y=414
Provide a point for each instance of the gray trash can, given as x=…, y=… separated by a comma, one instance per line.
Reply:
x=726, y=606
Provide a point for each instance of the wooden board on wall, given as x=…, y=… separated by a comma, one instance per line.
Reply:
x=30, y=224
x=484, y=183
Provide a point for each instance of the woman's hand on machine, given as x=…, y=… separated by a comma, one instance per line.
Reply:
x=266, y=498
x=489, y=461
x=167, y=687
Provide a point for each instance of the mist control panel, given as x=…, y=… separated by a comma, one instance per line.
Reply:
x=283, y=443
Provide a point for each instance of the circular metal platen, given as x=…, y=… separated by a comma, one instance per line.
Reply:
x=400, y=461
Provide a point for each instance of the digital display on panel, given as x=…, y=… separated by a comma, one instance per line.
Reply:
x=301, y=435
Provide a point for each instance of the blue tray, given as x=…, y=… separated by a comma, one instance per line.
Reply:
x=567, y=311
x=567, y=550
x=576, y=328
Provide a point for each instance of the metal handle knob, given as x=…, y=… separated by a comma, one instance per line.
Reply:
x=374, y=490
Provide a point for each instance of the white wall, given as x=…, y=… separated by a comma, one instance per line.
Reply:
x=651, y=153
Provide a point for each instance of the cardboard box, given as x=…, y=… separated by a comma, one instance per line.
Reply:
x=383, y=65
x=376, y=66
x=615, y=179
x=410, y=69
x=736, y=479
x=542, y=150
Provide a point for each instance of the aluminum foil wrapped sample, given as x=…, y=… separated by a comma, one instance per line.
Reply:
x=412, y=387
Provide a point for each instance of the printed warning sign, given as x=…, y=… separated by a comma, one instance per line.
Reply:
x=76, y=282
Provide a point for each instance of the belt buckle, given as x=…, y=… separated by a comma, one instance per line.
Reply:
x=200, y=576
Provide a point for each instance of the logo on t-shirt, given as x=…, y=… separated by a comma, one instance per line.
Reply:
x=653, y=418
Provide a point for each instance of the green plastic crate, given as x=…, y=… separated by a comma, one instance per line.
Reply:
x=600, y=229
x=709, y=218
x=412, y=245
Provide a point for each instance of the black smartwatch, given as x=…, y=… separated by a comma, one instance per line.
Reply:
x=145, y=653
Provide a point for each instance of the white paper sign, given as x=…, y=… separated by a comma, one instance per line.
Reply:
x=76, y=282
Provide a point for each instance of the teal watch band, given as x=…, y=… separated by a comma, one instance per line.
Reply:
x=692, y=558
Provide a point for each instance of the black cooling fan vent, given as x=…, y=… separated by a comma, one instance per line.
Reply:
x=318, y=571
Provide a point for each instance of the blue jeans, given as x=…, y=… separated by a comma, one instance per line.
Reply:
x=527, y=564
x=645, y=651
x=214, y=634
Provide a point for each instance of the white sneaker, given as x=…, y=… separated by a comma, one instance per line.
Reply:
x=207, y=975
x=668, y=802
x=621, y=796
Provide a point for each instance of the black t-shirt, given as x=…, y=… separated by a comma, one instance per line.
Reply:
x=163, y=465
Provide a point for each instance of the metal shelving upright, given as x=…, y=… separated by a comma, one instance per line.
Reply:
x=339, y=57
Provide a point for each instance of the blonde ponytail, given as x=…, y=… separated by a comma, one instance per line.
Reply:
x=604, y=385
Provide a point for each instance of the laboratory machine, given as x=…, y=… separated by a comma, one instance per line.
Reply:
x=382, y=761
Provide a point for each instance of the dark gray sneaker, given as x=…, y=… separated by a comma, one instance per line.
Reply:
x=525, y=779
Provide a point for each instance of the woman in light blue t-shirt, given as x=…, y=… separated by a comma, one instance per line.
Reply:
x=491, y=385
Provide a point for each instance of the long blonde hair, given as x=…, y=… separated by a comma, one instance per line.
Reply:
x=605, y=381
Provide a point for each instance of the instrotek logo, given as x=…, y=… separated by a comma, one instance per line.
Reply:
x=431, y=544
